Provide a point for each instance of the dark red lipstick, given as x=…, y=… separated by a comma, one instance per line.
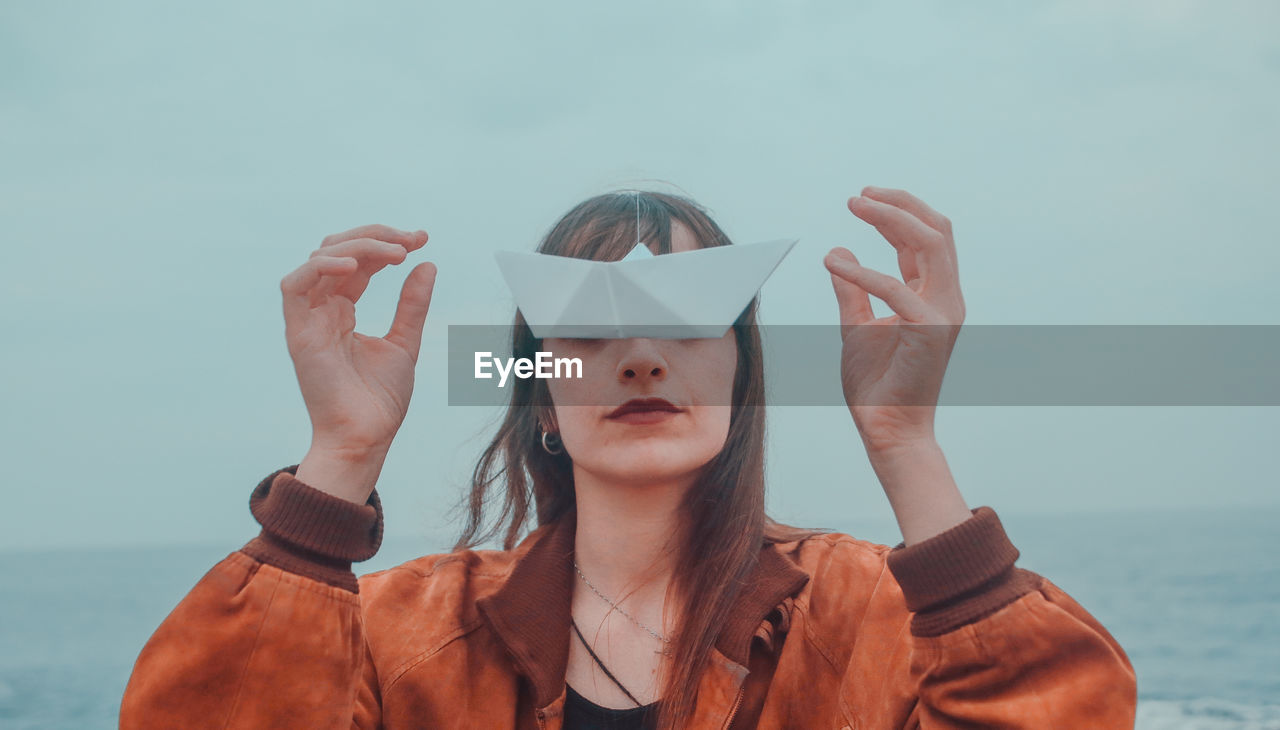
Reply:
x=644, y=410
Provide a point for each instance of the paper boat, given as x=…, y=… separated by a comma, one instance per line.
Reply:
x=688, y=294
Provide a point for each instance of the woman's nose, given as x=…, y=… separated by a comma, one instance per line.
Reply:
x=642, y=360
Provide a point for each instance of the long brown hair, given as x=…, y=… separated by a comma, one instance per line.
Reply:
x=726, y=503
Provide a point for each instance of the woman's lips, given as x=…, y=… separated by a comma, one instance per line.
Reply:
x=637, y=418
x=644, y=411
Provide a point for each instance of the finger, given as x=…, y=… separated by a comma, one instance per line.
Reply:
x=411, y=313
x=913, y=205
x=411, y=240
x=901, y=299
x=910, y=272
x=373, y=256
x=918, y=208
x=855, y=305
x=920, y=248
x=923, y=255
x=366, y=250
x=297, y=285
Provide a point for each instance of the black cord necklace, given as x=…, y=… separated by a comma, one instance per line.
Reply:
x=607, y=673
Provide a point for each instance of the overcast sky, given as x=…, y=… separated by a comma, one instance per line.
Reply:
x=165, y=165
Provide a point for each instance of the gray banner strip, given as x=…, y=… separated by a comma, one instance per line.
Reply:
x=992, y=365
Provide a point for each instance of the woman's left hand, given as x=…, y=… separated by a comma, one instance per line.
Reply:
x=892, y=375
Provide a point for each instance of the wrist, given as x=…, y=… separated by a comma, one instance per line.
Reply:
x=901, y=448
x=349, y=474
x=347, y=449
x=921, y=490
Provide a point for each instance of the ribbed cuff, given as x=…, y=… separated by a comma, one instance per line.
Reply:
x=312, y=533
x=960, y=575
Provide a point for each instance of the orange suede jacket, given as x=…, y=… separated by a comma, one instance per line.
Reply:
x=831, y=632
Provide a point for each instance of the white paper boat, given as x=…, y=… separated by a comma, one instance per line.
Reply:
x=687, y=294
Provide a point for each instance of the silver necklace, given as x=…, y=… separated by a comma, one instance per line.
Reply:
x=665, y=651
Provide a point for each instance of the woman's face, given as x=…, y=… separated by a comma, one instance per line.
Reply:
x=695, y=376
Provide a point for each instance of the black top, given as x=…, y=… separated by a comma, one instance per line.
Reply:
x=581, y=713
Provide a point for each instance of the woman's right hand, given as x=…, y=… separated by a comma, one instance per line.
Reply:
x=356, y=388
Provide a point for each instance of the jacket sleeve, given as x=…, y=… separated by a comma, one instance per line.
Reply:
x=997, y=646
x=272, y=636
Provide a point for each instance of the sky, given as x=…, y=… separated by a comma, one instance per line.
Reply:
x=163, y=167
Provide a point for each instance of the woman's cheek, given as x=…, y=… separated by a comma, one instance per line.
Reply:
x=710, y=424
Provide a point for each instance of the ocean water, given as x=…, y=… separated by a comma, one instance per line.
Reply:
x=1194, y=597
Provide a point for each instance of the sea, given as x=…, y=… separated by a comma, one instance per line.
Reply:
x=1193, y=596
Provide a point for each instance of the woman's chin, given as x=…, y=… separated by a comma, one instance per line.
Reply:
x=652, y=460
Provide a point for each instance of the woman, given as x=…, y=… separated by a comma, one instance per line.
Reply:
x=653, y=580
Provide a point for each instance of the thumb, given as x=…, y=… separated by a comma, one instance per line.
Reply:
x=855, y=305
x=411, y=313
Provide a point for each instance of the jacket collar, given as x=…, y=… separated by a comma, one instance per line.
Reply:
x=531, y=608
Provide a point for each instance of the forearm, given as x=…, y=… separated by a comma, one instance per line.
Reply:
x=251, y=647
x=920, y=488
x=272, y=636
x=1040, y=661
